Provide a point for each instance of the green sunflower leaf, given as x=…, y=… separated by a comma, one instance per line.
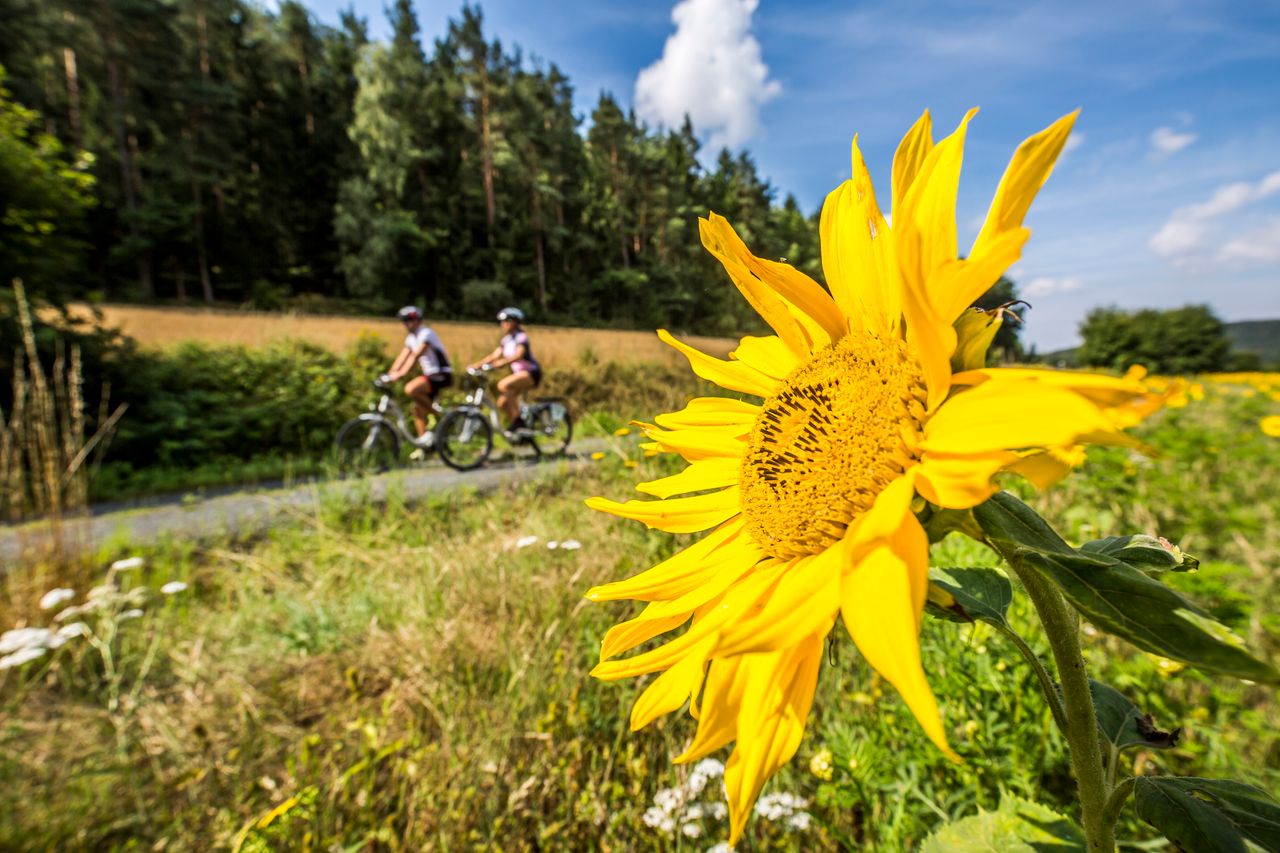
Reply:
x=1209, y=815
x=1017, y=826
x=1144, y=552
x=1116, y=596
x=970, y=595
x=1124, y=724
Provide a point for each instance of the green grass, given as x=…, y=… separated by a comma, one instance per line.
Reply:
x=403, y=677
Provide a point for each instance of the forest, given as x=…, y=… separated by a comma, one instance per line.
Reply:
x=216, y=151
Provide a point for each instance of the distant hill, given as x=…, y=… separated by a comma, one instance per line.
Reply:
x=1257, y=336
x=1261, y=337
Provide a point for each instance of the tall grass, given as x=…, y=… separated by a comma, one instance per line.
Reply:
x=46, y=458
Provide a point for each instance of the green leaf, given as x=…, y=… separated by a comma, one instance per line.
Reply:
x=970, y=595
x=1117, y=597
x=1123, y=724
x=1209, y=815
x=1017, y=826
x=1144, y=552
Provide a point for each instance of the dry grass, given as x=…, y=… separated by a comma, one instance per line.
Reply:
x=161, y=327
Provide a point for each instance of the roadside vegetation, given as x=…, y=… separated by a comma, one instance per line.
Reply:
x=400, y=676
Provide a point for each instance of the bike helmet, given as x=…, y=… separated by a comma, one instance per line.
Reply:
x=511, y=314
x=409, y=312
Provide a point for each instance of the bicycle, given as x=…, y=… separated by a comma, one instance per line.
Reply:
x=371, y=441
x=464, y=436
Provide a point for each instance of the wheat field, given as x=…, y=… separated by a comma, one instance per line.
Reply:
x=162, y=327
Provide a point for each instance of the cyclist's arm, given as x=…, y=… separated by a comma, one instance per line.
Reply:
x=400, y=367
x=492, y=358
x=516, y=356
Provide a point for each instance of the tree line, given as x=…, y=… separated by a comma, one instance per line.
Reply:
x=224, y=152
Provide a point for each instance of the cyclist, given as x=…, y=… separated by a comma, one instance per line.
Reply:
x=526, y=373
x=423, y=347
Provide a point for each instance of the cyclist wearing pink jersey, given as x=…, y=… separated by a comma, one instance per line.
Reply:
x=514, y=351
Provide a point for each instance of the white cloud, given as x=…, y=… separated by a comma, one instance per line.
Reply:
x=1166, y=140
x=710, y=70
x=1074, y=141
x=1047, y=286
x=1188, y=227
x=1259, y=246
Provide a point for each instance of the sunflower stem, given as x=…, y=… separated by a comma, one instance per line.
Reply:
x=1081, y=730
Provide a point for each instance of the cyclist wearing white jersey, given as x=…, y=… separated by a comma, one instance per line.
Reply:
x=422, y=346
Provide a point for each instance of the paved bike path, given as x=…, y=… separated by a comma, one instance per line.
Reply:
x=245, y=513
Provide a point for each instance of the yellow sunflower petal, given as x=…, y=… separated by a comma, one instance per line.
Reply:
x=1047, y=467
x=884, y=519
x=717, y=710
x=1012, y=415
x=804, y=600
x=857, y=254
x=702, y=474
x=734, y=376
x=814, y=308
x=700, y=442
x=1125, y=399
x=933, y=338
x=771, y=720
x=766, y=302
x=912, y=151
x=681, y=572
x=768, y=355
x=1028, y=170
x=711, y=412
x=926, y=225
x=960, y=482
x=957, y=284
x=676, y=515
x=671, y=689
x=880, y=614
x=625, y=636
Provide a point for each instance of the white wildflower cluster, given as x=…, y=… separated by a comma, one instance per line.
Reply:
x=552, y=544
x=694, y=808
x=104, y=607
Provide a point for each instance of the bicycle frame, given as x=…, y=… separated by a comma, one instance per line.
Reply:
x=387, y=411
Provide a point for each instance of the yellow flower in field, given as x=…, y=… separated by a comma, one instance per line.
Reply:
x=872, y=393
x=1271, y=425
x=621, y=431
x=598, y=455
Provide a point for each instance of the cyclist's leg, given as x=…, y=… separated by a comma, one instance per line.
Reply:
x=439, y=382
x=419, y=390
x=509, y=390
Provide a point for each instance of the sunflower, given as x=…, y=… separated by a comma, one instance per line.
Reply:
x=873, y=400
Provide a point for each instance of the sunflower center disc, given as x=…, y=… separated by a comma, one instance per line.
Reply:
x=842, y=427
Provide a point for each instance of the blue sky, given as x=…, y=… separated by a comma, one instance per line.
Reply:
x=1169, y=192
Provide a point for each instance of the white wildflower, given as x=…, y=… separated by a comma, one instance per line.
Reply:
x=20, y=657
x=667, y=826
x=54, y=597
x=570, y=545
x=719, y=811
x=132, y=613
x=24, y=638
x=100, y=592
x=75, y=629
x=694, y=812
x=691, y=830
x=652, y=817
x=668, y=799
x=709, y=767
x=127, y=564
x=73, y=610
x=697, y=781
x=526, y=541
x=173, y=587
x=553, y=544
x=799, y=821
x=722, y=847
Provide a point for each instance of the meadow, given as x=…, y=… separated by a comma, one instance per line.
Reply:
x=397, y=676
x=158, y=327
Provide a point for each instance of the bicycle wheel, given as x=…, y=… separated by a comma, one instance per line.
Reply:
x=464, y=438
x=364, y=446
x=552, y=427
